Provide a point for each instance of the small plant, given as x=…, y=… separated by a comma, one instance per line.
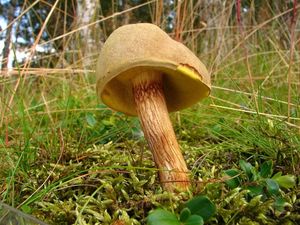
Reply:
x=195, y=212
x=260, y=181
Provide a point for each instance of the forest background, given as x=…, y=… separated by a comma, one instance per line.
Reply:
x=68, y=159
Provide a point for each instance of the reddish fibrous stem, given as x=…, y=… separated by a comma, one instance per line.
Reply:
x=153, y=114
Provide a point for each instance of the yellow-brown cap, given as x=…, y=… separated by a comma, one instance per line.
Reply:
x=185, y=78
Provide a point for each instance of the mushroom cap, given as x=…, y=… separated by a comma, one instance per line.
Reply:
x=145, y=46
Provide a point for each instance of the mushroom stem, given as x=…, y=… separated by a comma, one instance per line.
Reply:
x=153, y=113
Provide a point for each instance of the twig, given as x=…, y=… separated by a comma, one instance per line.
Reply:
x=262, y=114
x=33, y=49
x=249, y=94
x=239, y=20
x=293, y=26
x=97, y=21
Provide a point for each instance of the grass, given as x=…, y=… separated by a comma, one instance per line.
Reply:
x=66, y=151
x=68, y=159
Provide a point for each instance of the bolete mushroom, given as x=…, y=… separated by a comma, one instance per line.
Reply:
x=142, y=71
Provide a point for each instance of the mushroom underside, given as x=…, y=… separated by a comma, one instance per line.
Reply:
x=181, y=90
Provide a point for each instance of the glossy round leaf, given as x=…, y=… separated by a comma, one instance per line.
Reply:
x=162, y=217
x=185, y=214
x=194, y=220
x=201, y=206
x=235, y=181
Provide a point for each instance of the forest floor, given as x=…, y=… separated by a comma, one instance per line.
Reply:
x=68, y=159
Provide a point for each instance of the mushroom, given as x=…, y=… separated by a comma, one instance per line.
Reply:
x=142, y=71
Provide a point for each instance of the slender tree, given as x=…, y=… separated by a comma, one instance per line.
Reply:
x=9, y=14
x=89, y=44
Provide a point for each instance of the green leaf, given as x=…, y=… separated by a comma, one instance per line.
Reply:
x=277, y=175
x=90, y=119
x=279, y=204
x=201, y=206
x=217, y=128
x=255, y=201
x=26, y=209
x=234, y=182
x=247, y=168
x=109, y=122
x=194, y=220
x=266, y=169
x=255, y=174
x=286, y=181
x=185, y=214
x=272, y=187
x=256, y=190
x=162, y=217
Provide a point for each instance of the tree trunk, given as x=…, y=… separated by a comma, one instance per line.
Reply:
x=7, y=42
x=87, y=12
